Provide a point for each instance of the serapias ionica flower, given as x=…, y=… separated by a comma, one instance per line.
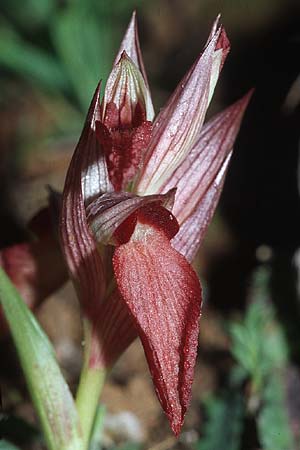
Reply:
x=138, y=197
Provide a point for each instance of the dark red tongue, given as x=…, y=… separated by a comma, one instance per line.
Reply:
x=123, y=142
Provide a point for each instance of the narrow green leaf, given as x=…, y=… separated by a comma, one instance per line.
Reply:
x=87, y=55
x=29, y=62
x=34, y=13
x=49, y=391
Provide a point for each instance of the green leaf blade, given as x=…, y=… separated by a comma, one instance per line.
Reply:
x=49, y=391
x=30, y=62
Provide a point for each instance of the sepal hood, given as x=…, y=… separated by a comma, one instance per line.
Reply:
x=178, y=125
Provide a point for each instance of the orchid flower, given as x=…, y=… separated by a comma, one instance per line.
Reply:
x=138, y=197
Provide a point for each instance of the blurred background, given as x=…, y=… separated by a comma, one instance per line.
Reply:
x=246, y=394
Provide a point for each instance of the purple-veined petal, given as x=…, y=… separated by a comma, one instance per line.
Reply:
x=163, y=295
x=197, y=202
x=131, y=45
x=114, y=329
x=178, y=125
x=192, y=231
x=201, y=166
x=200, y=178
x=87, y=176
x=126, y=88
x=108, y=212
x=220, y=54
x=88, y=162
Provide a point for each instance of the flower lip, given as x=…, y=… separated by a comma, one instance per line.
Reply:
x=163, y=294
x=110, y=210
x=141, y=224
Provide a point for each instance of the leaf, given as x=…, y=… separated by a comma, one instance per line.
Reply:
x=34, y=13
x=273, y=423
x=29, y=62
x=86, y=55
x=5, y=445
x=49, y=391
x=224, y=424
x=258, y=343
x=260, y=348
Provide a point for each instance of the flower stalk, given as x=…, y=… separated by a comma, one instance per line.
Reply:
x=89, y=389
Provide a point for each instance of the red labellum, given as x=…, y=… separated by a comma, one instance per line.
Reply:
x=124, y=231
x=159, y=218
x=163, y=294
x=153, y=215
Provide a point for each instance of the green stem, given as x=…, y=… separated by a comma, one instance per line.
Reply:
x=89, y=390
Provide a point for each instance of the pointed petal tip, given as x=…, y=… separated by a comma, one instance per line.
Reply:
x=95, y=104
x=133, y=19
x=131, y=44
x=214, y=27
x=123, y=58
x=176, y=427
x=219, y=30
x=241, y=105
x=247, y=97
x=223, y=41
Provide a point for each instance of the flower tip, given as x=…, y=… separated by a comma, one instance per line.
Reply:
x=133, y=18
x=241, y=104
x=124, y=57
x=222, y=45
x=219, y=34
x=249, y=94
x=223, y=41
x=214, y=27
x=130, y=40
x=176, y=426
